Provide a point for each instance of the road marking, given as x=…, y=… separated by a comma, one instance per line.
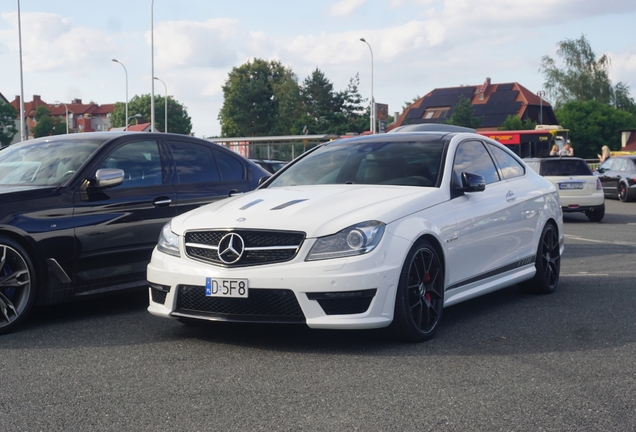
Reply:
x=620, y=243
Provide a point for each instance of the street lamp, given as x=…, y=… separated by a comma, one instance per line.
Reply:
x=372, y=102
x=165, y=127
x=58, y=104
x=23, y=132
x=136, y=116
x=126, y=72
x=540, y=93
x=152, y=66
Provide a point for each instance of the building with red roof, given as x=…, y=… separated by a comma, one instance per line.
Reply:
x=492, y=102
x=82, y=117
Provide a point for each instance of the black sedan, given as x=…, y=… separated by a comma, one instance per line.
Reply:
x=80, y=214
x=618, y=177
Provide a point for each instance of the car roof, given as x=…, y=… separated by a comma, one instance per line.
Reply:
x=548, y=158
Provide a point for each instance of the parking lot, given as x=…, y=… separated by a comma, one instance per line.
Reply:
x=505, y=361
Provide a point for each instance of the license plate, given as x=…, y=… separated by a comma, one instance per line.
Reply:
x=226, y=287
x=570, y=185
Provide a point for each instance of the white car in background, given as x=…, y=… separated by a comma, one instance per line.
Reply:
x=365, y=232
x=579, y=189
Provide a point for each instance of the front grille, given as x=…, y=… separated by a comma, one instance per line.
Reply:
x=258, y=247
x=344, y=303
x=262, y=305
x=158, y=296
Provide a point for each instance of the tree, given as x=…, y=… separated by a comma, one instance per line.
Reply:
x=354, y=108
x=45, y=125
x=513, y=122
x=463, y=114
x=593, y=124
x=582, y=77
x=179, y=121
x=250, y=106
x=8, y=130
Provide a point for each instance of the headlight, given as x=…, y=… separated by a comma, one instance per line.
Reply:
x=168, y=241
x=355, y=240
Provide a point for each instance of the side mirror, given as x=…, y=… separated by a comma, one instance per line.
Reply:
x=108, y=177
x=600, y=170
x=473, y=182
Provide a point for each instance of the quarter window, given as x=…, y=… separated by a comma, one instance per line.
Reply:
x=510, y=167
x=230, y=167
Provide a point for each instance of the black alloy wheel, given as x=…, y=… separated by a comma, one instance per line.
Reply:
x=420, y=294
x=17, y=284
x=548, y=264
x=623, y=193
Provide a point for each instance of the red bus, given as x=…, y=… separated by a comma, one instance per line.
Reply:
x=529, y=143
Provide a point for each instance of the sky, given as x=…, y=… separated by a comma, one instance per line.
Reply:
x=417, y=45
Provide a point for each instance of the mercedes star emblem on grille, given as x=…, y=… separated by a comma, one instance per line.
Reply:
x=231, y=248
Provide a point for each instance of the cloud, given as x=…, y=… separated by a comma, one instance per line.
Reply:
x=51, y=42
x=211, y=43
x=345, y=7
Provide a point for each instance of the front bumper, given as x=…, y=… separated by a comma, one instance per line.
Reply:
x=363, y=288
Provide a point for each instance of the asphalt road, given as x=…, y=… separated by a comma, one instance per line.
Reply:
x=506, y=361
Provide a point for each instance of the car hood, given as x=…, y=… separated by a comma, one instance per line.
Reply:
x=10, y=193
x=317, y=210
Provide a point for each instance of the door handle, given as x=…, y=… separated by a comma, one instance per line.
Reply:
x=161, y=202
x=510, y=196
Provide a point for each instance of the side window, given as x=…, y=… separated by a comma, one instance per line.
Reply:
x=472, y=157
x=195, y=162
x=230, y=167
x=510, y=167
x=607, y=165
x=140, y=162
x=619, y=165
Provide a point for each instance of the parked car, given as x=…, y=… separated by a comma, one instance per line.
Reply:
x=81, y=213
x=269, y=165
x=366, y=232
x=618, y=177
x=579, y=189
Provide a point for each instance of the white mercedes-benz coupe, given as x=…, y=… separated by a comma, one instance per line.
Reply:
x=366, y=232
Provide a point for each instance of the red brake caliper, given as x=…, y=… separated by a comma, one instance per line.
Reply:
x=427, y=279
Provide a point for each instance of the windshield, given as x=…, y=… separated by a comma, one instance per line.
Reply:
x=42, y=163
x=408, y=163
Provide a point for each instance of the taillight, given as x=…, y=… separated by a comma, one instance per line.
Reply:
x=599, y=186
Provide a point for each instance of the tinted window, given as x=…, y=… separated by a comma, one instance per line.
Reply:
x=140, y=162
x=473, y=158
x=195, y=162
x=565, y=167
x=620, y=164
x=510, y=167
x=229, y=166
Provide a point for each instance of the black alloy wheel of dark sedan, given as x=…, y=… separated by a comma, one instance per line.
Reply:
x=17, y=281
x=623, y=192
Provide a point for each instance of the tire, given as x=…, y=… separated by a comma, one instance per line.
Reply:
x=623, y=192
x=596, y=215
x=420, y=295
x=17, y=284
x=548, y=264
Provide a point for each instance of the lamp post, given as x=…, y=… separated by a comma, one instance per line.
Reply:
x=126, y=72
x=136, y=116
x=23, y=132
x=165, y=125
x=540, y=93
x=58, y=103
x=372, y=111
x=152, y=66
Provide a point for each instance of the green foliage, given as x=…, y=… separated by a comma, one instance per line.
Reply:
x=513, y=122
x=593, y=124
x=463, y=114
x=582, y=77
x=263, y=98
x=45, y=125
x=179, y=121
x=8, y=129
